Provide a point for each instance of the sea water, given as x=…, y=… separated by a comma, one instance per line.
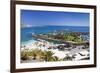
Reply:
x=26, y=33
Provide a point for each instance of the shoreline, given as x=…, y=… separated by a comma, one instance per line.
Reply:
x=60, y=53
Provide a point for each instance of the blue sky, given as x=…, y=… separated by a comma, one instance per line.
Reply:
x=31, y=18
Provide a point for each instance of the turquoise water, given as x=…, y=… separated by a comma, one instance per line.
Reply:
x=26, y=33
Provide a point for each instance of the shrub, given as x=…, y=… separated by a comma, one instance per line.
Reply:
x=39, y=55
x=24, y=55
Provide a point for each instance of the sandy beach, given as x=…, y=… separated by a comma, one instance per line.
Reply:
x=77, y=53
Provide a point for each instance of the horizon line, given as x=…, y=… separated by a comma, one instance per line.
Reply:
x=48, y=25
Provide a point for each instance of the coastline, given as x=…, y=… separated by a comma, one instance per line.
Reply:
x=54, y=45
x=60, y=53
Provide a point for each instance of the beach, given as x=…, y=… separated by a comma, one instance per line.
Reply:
x=54, y=43
x=76, y=53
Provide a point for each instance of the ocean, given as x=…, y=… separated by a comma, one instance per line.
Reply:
x=26, y=32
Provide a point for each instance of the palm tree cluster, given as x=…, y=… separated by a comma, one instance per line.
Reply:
x=38, y=55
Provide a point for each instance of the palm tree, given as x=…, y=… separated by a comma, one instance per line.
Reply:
x=24, y=55
x=48, y=55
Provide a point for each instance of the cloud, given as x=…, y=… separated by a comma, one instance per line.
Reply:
x=24, y=25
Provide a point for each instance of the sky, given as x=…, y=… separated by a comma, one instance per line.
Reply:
x=30, y=18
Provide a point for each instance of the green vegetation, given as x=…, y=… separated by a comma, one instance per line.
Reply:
x=38, y=55
x=68, y=36
x=63, y=36
x=24, y=55
x=73, y=38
